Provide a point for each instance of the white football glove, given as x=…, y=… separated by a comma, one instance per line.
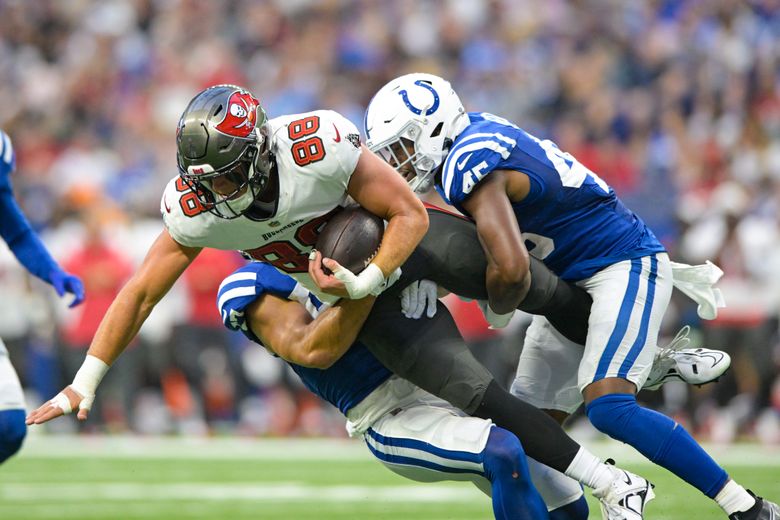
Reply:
x=496, y=321
x=369, y=281
x=416, y=297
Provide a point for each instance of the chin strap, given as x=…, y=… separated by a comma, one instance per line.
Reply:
x=266, y=209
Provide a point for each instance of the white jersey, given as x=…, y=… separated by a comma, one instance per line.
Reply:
x=316, y=153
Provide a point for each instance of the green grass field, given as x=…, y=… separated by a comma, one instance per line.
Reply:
x=135, y=478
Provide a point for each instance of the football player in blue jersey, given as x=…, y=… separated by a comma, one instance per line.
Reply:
x=32, y=254
x=527, y=196
x=410, y=431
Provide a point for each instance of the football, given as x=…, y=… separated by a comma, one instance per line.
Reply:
x=352, y=238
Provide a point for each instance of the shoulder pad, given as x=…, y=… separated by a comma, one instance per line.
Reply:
x=317, y=146
x=342, y=138
x=471, y=159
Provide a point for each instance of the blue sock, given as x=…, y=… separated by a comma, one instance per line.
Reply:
x=514, y=495
x=12, y=432
x=577, y=510
x=658, y=438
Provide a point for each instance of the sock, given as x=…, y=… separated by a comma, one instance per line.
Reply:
x=577, y=510
x=514, y=496
x=658, y=438
x=12, y=432
x=541, y=437
x=589, y=470
x=733, y=498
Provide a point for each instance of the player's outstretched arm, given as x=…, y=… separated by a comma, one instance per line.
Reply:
x=507, y=277
x=22, y=240
x=379, y=189
x=286, y=328
x=164, y=263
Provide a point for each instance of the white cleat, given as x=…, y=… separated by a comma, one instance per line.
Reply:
x=695, y=366
x=625, y=497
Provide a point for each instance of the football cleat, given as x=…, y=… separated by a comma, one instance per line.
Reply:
x=695, y=366
x=625, y=497
x=762, y=510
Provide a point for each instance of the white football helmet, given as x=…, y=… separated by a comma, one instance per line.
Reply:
x=419, y=112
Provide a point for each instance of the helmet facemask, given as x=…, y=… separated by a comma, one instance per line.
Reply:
x=404, y=155
x=231, y=191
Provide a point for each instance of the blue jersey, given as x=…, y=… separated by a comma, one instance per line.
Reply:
x=571, y=219
x=14, y=228
x=347, y=382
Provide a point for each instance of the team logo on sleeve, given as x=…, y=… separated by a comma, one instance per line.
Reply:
x=241, y=115
x=354, y=139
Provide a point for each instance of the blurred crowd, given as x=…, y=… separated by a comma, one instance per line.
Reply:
x=675, y=103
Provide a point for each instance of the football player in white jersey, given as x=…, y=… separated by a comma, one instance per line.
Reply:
x=263, y=187
x=527, y=196
x=266, y=187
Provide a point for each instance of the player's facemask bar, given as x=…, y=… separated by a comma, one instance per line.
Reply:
x=231, y=191
x=401, y=153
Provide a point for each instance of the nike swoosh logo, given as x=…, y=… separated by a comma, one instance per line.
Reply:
x=627, y=479
x=338, y=135
x=462, y=163
x=167, y=207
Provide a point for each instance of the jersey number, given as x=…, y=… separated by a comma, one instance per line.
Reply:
x=284, y=255
x=189, y=202
x=305, y=151
x=572, y=172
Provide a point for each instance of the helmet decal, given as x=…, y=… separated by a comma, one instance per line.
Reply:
x=241, y=115
x=200, y=169
x=434, y=107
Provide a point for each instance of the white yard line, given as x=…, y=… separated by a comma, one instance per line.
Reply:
x=221, y=492
x=231, y=448
x=237, y=448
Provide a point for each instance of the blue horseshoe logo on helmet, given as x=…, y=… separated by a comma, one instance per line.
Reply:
x=413, y=108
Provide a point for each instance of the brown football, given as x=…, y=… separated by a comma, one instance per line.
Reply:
x=351, y=237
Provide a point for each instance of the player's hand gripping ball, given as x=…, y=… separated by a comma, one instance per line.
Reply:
x=351, y=238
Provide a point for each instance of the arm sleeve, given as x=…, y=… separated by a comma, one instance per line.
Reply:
x=21, y=239
x=184, y=230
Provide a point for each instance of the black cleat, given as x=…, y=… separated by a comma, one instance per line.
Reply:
x=762, y=510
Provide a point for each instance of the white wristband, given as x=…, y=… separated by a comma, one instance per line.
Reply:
x=360, y=286
x=372, y=277
x=89, y=375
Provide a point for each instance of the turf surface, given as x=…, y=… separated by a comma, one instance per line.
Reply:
x=130, y=478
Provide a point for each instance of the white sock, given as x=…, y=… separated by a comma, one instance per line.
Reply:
x=587, y=469
x=734, y=499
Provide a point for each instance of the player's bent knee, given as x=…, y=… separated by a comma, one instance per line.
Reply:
x=12, y=432
x=577, y=510
x=559, y=415
x=611, y=414
x=608, y=386
x=504, y=456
